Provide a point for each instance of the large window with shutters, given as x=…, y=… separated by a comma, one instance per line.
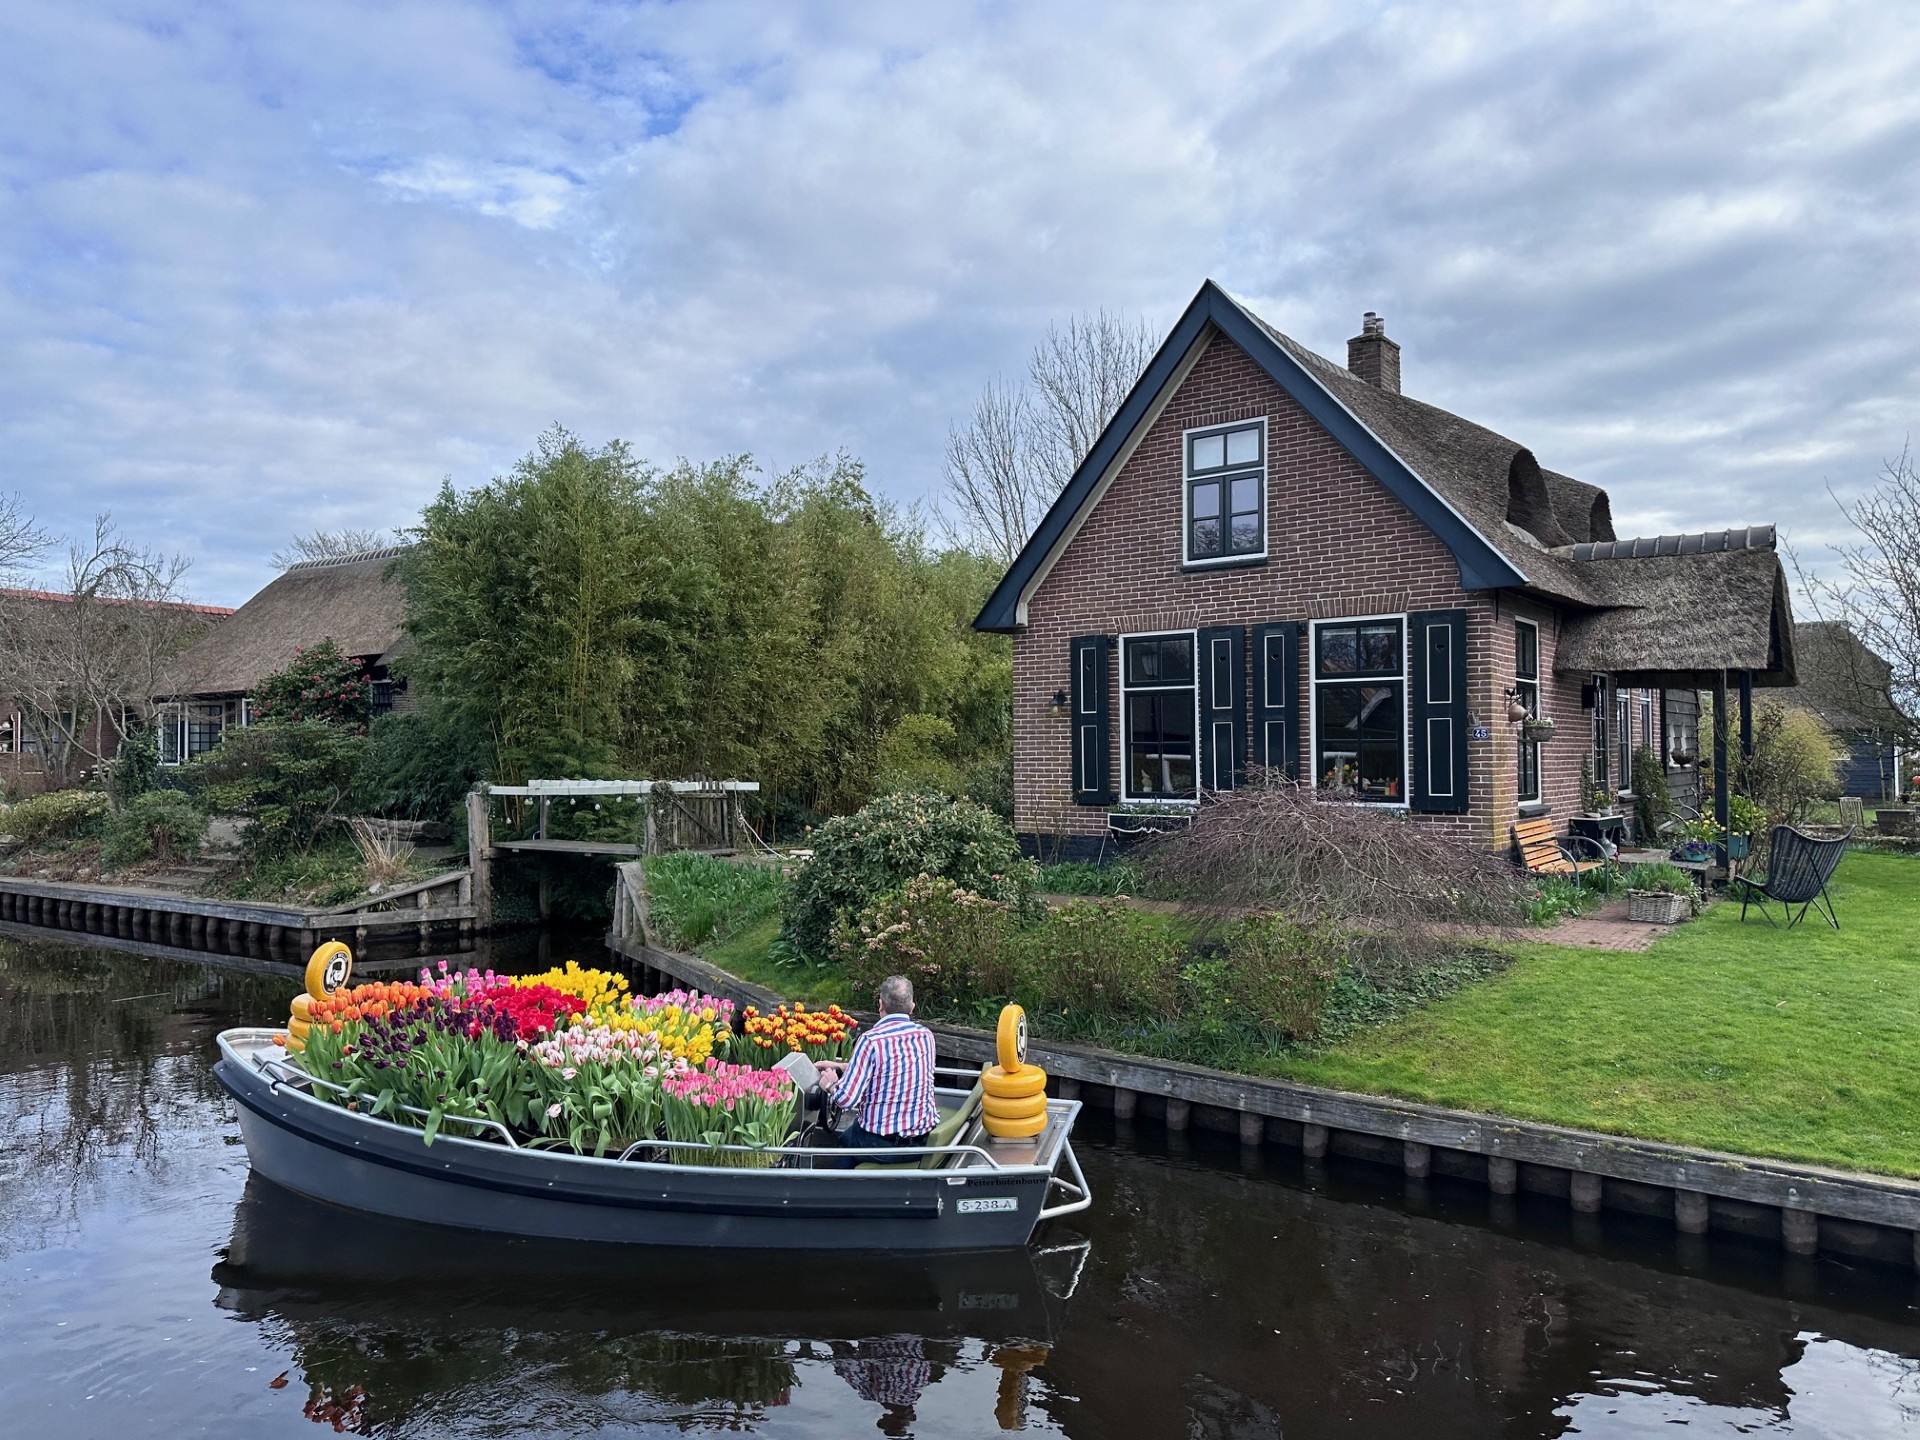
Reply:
x=1359, y=710
x=1226, y=493
x=1159, y=717
x=1526, y=685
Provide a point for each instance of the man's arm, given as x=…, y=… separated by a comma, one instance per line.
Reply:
x=851, y=1088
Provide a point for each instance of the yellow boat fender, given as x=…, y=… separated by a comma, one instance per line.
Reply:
x=1015, y=1103
x=329, y=968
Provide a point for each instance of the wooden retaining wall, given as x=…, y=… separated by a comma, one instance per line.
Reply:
x=1805, y=1208
x=191, y=925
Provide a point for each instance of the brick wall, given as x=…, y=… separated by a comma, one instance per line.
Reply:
x=1338, y=544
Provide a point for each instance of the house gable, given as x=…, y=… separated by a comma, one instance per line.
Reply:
x=1214, y=314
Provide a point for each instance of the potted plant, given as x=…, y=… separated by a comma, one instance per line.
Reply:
x=1694, y=841
x=1537, y=728
x=1660, y=894
x=1595, y=799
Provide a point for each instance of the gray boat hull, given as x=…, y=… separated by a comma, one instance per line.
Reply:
x=322, y=1150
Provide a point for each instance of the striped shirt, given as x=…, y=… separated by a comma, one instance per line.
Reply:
x=888, y=1083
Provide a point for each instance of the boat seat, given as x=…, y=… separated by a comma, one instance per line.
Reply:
x=947, y=1132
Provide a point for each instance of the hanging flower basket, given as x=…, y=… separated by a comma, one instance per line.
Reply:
x=1657, y=907
x=1537, y=730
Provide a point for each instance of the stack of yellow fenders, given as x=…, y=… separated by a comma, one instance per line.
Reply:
x=1016, y=1093
x=330, y=967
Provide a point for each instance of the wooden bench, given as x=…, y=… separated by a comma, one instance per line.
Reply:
x=1542, y=852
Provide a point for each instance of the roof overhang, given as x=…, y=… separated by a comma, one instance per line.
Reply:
x=1215, y=312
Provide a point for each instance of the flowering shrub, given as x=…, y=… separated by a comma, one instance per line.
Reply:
x=948, y=940
x=721, y=1104
x=818, y=1034
x=319, y=683
x=859, y=858
x=1098, y=955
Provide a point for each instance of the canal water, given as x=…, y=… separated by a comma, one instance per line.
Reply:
x=148, y=1286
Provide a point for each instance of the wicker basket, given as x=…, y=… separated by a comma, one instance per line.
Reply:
x=1657, y=907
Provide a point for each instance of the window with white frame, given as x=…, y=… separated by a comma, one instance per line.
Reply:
x=1623, y=736
x=1226, y=493
x=1649, y=737
x=1602, y=728
x=1526, y=684
x=1360, y=710
x=1159, y=717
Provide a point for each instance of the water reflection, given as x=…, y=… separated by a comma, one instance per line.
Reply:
x=148, y=1285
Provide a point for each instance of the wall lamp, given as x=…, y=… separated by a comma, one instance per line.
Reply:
x=1057, y=706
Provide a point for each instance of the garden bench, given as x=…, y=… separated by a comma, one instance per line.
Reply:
x=1542, y=852
x=1798, y=869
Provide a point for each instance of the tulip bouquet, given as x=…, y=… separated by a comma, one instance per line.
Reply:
x=818, y=1034
x=597, y=1085
x=721, y=1104
x=691, y=1026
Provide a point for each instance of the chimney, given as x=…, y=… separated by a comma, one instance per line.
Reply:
x=1372, y=356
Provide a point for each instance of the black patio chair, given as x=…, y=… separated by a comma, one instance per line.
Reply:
x=1798, y=869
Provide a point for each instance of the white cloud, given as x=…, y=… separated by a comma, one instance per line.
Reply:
x=267, y=267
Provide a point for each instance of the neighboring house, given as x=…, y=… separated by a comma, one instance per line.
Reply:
x=1267, y=559
x=75, y=675
x=352, y=601
x=1851, y=688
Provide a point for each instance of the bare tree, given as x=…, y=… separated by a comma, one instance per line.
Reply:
x=21, y=541
x=1877, y=593
x=1023, y=442
x=328, y=545
x=83, y=663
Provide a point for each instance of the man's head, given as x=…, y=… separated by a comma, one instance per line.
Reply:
x=896, y=995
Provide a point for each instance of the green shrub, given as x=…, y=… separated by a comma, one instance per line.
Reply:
x=952, y=943
x=1796, y=761
x=419, y=766
x=1653, y=803
x=1100, y=956
x=291, y=781
x=319, y=684
x=989, y=785
x=697, y=899
x=859, y=858
x=135, y=767
x=1280, y=973
x=57, y=815
x=160, y=824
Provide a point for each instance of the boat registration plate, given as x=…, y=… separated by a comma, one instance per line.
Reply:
x=987, y=1204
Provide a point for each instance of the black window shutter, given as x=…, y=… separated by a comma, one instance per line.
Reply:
x=1089, y=656
x=1438, y=639
x=1223, y=707
x=1276, y=696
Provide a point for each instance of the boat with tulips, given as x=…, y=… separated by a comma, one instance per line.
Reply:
x=559, y=1106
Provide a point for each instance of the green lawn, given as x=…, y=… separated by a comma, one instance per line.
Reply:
x=745, y=955
x=1801, y=1044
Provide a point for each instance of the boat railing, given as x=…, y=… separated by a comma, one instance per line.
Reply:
x=296, y=1078
x=1076, y=1187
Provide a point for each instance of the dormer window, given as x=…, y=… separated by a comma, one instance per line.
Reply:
x=1226, y=493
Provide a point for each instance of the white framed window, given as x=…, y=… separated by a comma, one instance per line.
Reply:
x=1602, y=729
x=1160, y=717
x=1649, y=736
x=1224, y=509
x=1526, y=684
x=1359, y=721
x=1623, y=736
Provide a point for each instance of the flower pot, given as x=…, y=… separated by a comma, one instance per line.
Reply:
x=1739, y=846
x=1693, y=852
x=1537, y=731
x=1657, y=907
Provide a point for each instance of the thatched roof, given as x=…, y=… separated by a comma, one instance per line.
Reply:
x=1678, y=619
x=350, y=601
x=1844, y=682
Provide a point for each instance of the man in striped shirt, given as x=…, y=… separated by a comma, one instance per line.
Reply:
x=888, y=1084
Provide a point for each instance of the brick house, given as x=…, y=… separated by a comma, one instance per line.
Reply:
x=1269, y=560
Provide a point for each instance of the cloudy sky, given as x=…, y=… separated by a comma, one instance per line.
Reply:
x=268, y=265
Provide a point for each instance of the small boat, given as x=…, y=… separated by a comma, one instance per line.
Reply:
x=970, y=1192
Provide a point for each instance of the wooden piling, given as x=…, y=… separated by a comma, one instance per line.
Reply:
x=1314, y=1140
x=1416, y=1159
x=1691, y=1212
